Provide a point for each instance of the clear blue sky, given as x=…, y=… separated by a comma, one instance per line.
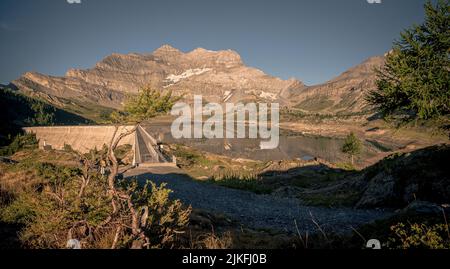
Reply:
x=312, y=40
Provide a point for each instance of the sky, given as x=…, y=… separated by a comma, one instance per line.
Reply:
x=311, y=40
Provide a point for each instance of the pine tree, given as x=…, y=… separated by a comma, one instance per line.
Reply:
x=414, y=83
x=352, y=146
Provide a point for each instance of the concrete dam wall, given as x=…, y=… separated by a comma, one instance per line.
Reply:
x=146, y=150
x=80, y=138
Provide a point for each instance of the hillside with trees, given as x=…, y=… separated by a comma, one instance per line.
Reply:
x=18, y=110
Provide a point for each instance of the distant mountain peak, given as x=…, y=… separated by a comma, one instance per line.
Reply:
x=344, y=93
x=200, y=57
x=200, y=71
x=166, y=48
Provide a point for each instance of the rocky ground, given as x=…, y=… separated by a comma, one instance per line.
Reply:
x=257, y=211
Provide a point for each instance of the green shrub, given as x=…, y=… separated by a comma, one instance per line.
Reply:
x=21, y=141
x=421, y=236
x=57, y=210
x=352, y=146
x=185, y=156
x=166, y=217
x=54, y=173
x=20, y=211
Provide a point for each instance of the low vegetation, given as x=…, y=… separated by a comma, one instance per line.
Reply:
x=293, y=115
x=242, y=183
x=46, y=198
x=25, y=141
x=415, y=235
x=40, y=199
x=55, y=203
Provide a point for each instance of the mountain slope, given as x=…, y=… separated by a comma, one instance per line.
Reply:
x=343, y=94
x=18, y=110
x=219, y=76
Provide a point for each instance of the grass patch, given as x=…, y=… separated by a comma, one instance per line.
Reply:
x=313, y=179
x=90, y=111
x=346, y=166
x=338, y=199
x=186, y=157
x=243, y=183
x=315, y=104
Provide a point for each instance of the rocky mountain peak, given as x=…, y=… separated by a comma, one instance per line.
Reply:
x=344, y=93
x=165, y=50
x=225, y=58
x=213, y=74
x=366, y=67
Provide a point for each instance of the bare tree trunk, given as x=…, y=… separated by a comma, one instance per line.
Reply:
x=85, y=178
x=114, y=163
x=112, y=156
x=134, y=217
x=113, y=160
x=139, y=238
x=116, y=237
x=111, y=180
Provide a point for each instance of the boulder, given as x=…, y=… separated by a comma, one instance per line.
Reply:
x=423, y=207
x=379, y=191
x=403, y=178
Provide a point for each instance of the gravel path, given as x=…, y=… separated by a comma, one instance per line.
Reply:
x=258, y=211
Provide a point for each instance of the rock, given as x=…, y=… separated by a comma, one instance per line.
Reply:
x=423, y=207
x=400, y=179
x=410, y=192
x=380, y=189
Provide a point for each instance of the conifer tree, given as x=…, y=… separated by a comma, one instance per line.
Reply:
x=414, y=83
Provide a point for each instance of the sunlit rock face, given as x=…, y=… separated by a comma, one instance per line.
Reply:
x=200, y=71
x=343, y=94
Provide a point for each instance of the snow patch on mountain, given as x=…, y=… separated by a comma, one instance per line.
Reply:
x=268, y=95
x=186, y=74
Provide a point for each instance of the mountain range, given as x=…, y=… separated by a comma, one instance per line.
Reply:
x=220, y=76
